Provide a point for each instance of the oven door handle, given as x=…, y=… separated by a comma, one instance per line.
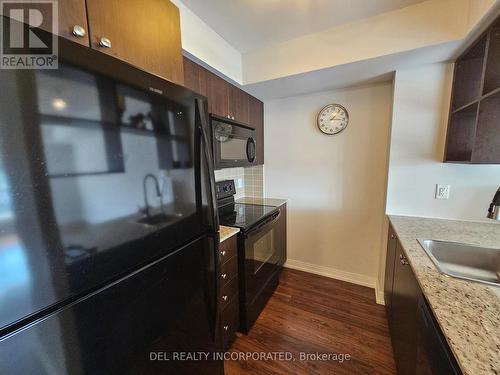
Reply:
x=272, y=220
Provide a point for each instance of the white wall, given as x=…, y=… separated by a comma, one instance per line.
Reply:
x=201, y=41
x=335, y=184
x=420, y=115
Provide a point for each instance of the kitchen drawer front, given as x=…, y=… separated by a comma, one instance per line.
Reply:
x=228, y=249
x=230, y=322
x=228, y=292
x=229, y=271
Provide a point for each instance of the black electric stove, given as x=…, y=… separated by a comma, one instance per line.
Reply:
x=261, y=249
x=242, y=215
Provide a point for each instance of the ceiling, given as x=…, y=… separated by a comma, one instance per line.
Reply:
x=251, y=24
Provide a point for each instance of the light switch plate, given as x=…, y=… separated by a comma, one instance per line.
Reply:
x=442, y=191
x=240, y=183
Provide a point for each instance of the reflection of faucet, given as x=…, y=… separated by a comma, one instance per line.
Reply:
x=144, y=186
x=494, y=210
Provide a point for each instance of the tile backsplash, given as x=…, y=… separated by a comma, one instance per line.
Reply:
x=249, y=181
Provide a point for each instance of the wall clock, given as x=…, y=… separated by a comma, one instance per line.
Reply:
x=332, y=119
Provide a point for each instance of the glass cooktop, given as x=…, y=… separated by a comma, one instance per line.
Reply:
x=243, y=215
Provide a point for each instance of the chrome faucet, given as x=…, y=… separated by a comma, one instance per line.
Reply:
x=494, y=210
x=145, y=186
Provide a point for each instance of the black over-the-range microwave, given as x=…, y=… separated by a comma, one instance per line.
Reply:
x=234, y=143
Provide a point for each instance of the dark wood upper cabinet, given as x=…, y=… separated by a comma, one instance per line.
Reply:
x=218, y=95
x=144, y=34
x=239, y=102
x=474, y=121
x=256, y=120
x=72, y=21
x=191, y=75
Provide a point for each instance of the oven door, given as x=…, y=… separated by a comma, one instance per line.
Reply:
x=234, y=143
x=262, y=255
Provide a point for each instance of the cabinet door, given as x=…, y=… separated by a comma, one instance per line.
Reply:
x=144, y=34
x=389, y=268
x=218, y=95
x=239, y=104
x=191, y=74
x=403, y=320
x=256, y=120
x=73, y=16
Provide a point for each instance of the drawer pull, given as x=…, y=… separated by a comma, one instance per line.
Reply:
x=105, y=43
x=226, y=328
x=224, y=276
x=403, y=260
x=393, y=236
x=224, y=298
x=223, y=252
x=79, y=31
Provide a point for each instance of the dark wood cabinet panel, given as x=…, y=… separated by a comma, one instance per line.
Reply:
x=146, y=35
x=390, y=257
x=191, y=75
x=218, y=95
x=73, y=13
x=468, y=71
x=461, y=133
x=256, y=120
x=492, y=73
x=239, y=102
x=403, y=323
x=487, y=140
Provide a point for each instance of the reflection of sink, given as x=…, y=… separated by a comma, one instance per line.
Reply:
x=157, y=219
x=464, y=261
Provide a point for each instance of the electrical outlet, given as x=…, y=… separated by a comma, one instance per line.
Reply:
x=442, y=191
x=240, y=183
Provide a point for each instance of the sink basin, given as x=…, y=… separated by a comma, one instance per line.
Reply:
x=157, y=219
x=469, y=262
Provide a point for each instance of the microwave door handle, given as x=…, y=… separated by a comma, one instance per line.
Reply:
x=251, y=149
x=260, y=227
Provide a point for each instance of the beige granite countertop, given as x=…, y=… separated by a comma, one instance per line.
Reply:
x=467, y=312
x=227, y=232
x=276, y=202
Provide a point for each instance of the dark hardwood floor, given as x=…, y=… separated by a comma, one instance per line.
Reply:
x=315, y=314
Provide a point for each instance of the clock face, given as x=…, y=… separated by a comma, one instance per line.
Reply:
x=332, y=119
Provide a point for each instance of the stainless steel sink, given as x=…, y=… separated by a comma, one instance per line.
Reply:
x=465, y=261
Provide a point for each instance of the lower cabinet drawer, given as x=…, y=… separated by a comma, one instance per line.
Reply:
x=228, y=292
x=229, y=271
x=230, y=318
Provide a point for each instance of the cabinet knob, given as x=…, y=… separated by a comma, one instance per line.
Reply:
x=224, y=276
x=223, y=252
x=393, y=237
x=226, y=328
x=403, y=260
x=79, y=31
x=105, y=43
x=224, y=298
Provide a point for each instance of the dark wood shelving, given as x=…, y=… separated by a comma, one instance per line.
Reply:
x=473, y=135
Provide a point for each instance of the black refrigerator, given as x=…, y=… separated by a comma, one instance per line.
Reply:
x=108, y=228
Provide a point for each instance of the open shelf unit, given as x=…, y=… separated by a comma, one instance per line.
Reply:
x=473, y=135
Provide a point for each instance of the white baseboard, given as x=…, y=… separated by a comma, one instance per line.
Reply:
x=333, y=273
x=379, y=295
